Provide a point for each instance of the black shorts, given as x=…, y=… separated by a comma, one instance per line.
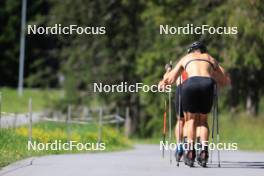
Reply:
x=177, y=108
x=198, y=94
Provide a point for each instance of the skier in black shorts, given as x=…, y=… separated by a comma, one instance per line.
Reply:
x=204, y=75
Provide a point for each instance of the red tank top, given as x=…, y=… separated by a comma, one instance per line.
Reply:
x=184, y=75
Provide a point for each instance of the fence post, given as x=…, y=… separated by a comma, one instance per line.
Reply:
x=68, y=119
x=30, y=118
x=127, y=123
x=88, y=114
x=100, y=125
x=0, y=108
x=84, y=113
x=15, y=120
x=117, y=122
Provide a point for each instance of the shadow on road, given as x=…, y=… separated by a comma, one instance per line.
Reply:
x=242, y=164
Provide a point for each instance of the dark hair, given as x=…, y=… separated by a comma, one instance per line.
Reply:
x=197, y=46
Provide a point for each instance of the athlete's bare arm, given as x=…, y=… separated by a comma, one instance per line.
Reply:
x=220, y=75
x=172, y=76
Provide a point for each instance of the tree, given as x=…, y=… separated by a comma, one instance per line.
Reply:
x=109, y=59
x=38, y=63
x=9, y=40
x=242, y=53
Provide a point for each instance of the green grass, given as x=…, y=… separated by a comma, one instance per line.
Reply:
x=13, y=142
x=246, y=131
x=12, y=103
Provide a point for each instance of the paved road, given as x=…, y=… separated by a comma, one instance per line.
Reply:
x=143, y=160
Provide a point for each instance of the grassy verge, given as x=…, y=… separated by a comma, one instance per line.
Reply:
x=12, y=103
x=246, y=131
x=13, y=142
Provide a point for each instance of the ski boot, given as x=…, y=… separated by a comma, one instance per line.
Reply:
x=189, y=156
x=202, y=158
x=198, y=147
x=179, y=152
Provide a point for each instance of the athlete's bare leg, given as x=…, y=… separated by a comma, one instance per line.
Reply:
x=204, y=129
x=179, y=133
x=191, y=122
x=198, y=127
x=204, y=135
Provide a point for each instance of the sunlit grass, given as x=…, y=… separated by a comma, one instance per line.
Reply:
x=238, y=128
x=12, y=103
x=246, y=131
x=13, y=142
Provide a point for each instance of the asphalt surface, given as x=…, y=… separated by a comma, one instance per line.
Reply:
x=143, y=160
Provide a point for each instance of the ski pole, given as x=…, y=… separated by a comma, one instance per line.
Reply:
x=179, y=115
x=170, y=131
x=217, y=128
x=170, y=136
x=168, y=68
x=164, y=125
x=213, y=124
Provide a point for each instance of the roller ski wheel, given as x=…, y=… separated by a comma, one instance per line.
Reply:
x=189, y=158
x=202, y=159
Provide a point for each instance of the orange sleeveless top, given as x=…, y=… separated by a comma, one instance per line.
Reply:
x=184, y=75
